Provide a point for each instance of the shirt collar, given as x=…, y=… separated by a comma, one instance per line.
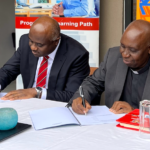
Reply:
x=52, y=55
x=145, y=68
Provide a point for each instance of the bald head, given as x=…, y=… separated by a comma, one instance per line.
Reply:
x=138, y=28
x=135, y=44
x=47, y=26
x=139, y=24
x=44, y=36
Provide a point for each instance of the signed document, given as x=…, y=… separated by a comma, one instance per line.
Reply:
x=96, y=115
x=59, y=116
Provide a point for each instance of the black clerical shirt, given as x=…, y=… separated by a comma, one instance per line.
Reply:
x=134, y=86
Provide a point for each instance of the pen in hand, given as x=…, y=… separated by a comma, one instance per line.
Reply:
x=82, y=96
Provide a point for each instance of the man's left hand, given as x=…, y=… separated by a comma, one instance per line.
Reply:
x=120, y=107
x=58, y=9
x=20, y=94
x=55, y=9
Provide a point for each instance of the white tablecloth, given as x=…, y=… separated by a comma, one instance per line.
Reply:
x=98, y=137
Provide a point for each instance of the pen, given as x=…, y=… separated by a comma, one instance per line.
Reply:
x=82, y=96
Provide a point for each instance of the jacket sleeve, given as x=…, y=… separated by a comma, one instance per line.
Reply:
x=10, y=70
x=78, y=71
x=94, y=84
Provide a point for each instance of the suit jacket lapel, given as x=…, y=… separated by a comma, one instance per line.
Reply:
x=32, y=66
x=120, y=77
x=60, y=57
x=146, y=93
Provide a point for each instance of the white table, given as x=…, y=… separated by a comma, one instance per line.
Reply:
x=98, y=137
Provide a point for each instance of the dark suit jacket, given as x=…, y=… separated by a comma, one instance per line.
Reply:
x=110, y=77
x=69, y=68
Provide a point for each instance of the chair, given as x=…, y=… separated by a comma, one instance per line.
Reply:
x=92, y=69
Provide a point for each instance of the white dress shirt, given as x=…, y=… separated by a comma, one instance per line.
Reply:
x=50, y=62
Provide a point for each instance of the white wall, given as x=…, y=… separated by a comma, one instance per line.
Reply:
x=111, y=24
x=7, y=26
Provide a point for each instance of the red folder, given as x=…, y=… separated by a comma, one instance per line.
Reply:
x=131, y=121
x=131, y=118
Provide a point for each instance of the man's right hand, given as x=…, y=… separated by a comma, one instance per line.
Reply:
x=78, y=107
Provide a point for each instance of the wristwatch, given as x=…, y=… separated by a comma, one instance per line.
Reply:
x=39, y=91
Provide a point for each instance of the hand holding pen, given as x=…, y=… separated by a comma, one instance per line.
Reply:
x=80, y=105
x=77, y=106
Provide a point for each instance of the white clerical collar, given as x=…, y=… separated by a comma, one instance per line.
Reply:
x=145, y=68
x=135, y=72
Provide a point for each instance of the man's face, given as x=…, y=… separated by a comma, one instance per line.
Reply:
x=134, y=49
x=40, y=44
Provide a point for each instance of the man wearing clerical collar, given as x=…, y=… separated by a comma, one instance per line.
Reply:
x=124, y=74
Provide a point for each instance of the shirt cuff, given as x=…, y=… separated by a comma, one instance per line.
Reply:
x=44, y=93
x=67, y=13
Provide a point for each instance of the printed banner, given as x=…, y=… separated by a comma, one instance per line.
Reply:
x=143, y=10
x=78, y=19
x=65, y=23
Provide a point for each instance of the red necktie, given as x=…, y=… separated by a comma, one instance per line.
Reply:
x=41, y=79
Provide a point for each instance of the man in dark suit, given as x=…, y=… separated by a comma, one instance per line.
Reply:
x=124, y=74
x=52, y=65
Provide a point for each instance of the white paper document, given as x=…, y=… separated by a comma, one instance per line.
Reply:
x=5, y=101
x=96, y=115
x=58, y=116
x=52, y=117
